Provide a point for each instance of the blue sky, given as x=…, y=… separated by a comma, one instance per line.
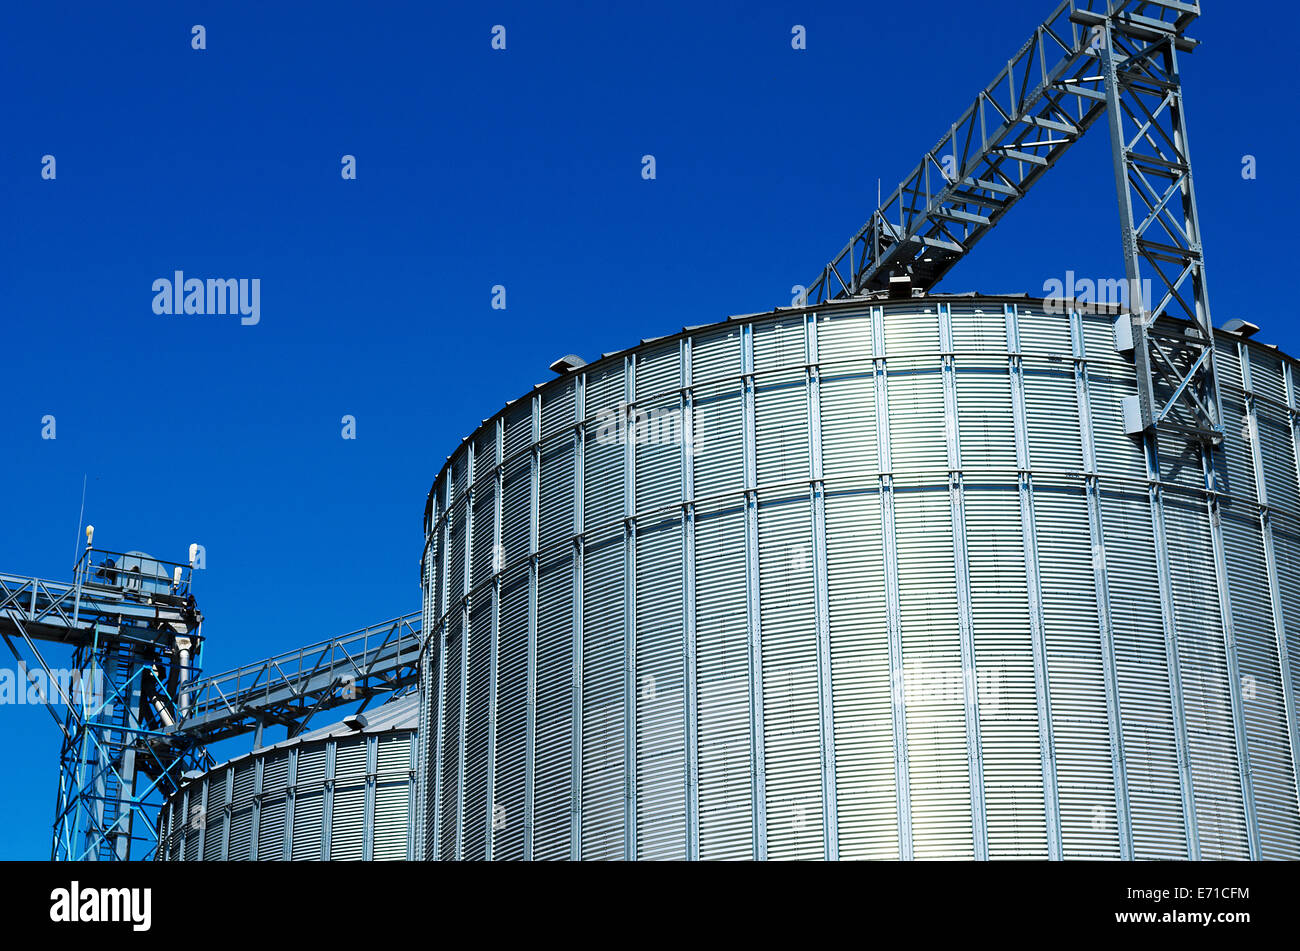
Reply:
x=475, y=167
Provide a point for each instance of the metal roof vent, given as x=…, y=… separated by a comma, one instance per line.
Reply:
x=1242, y=328
x=566, y=363
x=900, y=285
x=355, y=721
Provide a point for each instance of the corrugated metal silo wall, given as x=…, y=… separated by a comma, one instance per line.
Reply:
x=350, y=797
x=884, y=581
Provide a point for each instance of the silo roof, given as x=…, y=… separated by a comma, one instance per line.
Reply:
x=396, y=715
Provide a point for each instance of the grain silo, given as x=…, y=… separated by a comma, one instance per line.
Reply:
x=874, y=579
x=344, y=791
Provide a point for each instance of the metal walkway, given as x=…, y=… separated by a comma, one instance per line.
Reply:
x=290, y=688
x=1090, y=58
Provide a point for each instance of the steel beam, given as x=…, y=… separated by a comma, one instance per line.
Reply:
x=498, y=563
x=1172, y=332
x=686, y=407
x=961, y=566
x=1033, y=583
x=579, y=557
x=893, y=608
x=534, y=569
x=629, y=611
x=1169, y=622
x=821, y=593
x=1276, y=609
x=757, y=746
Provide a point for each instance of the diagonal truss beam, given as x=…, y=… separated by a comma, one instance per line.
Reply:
x=291, y=688
x=1088, y=59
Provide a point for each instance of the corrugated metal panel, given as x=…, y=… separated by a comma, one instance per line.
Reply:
x=309, y=804
x=932, y=675
x=658, y=431
x=484, y=519
x=938, y=775
x=791, y=723
x=1264, y=707
x=456, y=549
x=485, y=453
x=1233, y=458
x=553, y=760
x=392, y=818
x=660, y=723
x=916, y=424
x=911, y=328
x=602, y=699
x=451, y=726
x=347, y=830
x=1142, y=672
x=308, y=828
x=603, y=464
x=1118, y=455
x=1075, y=674
x=843, y=338
x=429, y=730
x=1276, y=446
x=1042, y=333
x=722, y=658
x=241, y=820
x=555, y=511
x=512, y=708
x=861, y=680
x=986, y=431
x=216, y=816
x=1206, y=704
x=514, y=515
x=977, y=329
x=196, y=822
x=519, y=429
x=715, y=360
x=1286, y=542
x=779, y=344
x=781, y=423
x=1004, y=674
x=715, y=355
x=271, y=823
x=437, y=566
x=657, y=372
x=1051, y=412
x=391, y=821
x=557, y=410
x=717, y=437
x=476, y=727
x=849, y=456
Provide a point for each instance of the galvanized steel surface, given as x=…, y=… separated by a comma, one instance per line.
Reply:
x=871, y=580
x=345, y=791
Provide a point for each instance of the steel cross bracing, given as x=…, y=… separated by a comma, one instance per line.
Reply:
x=131, y=727
x=126, y=629
x=1089, y=58
x=290, y=688
x=1172, y=335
